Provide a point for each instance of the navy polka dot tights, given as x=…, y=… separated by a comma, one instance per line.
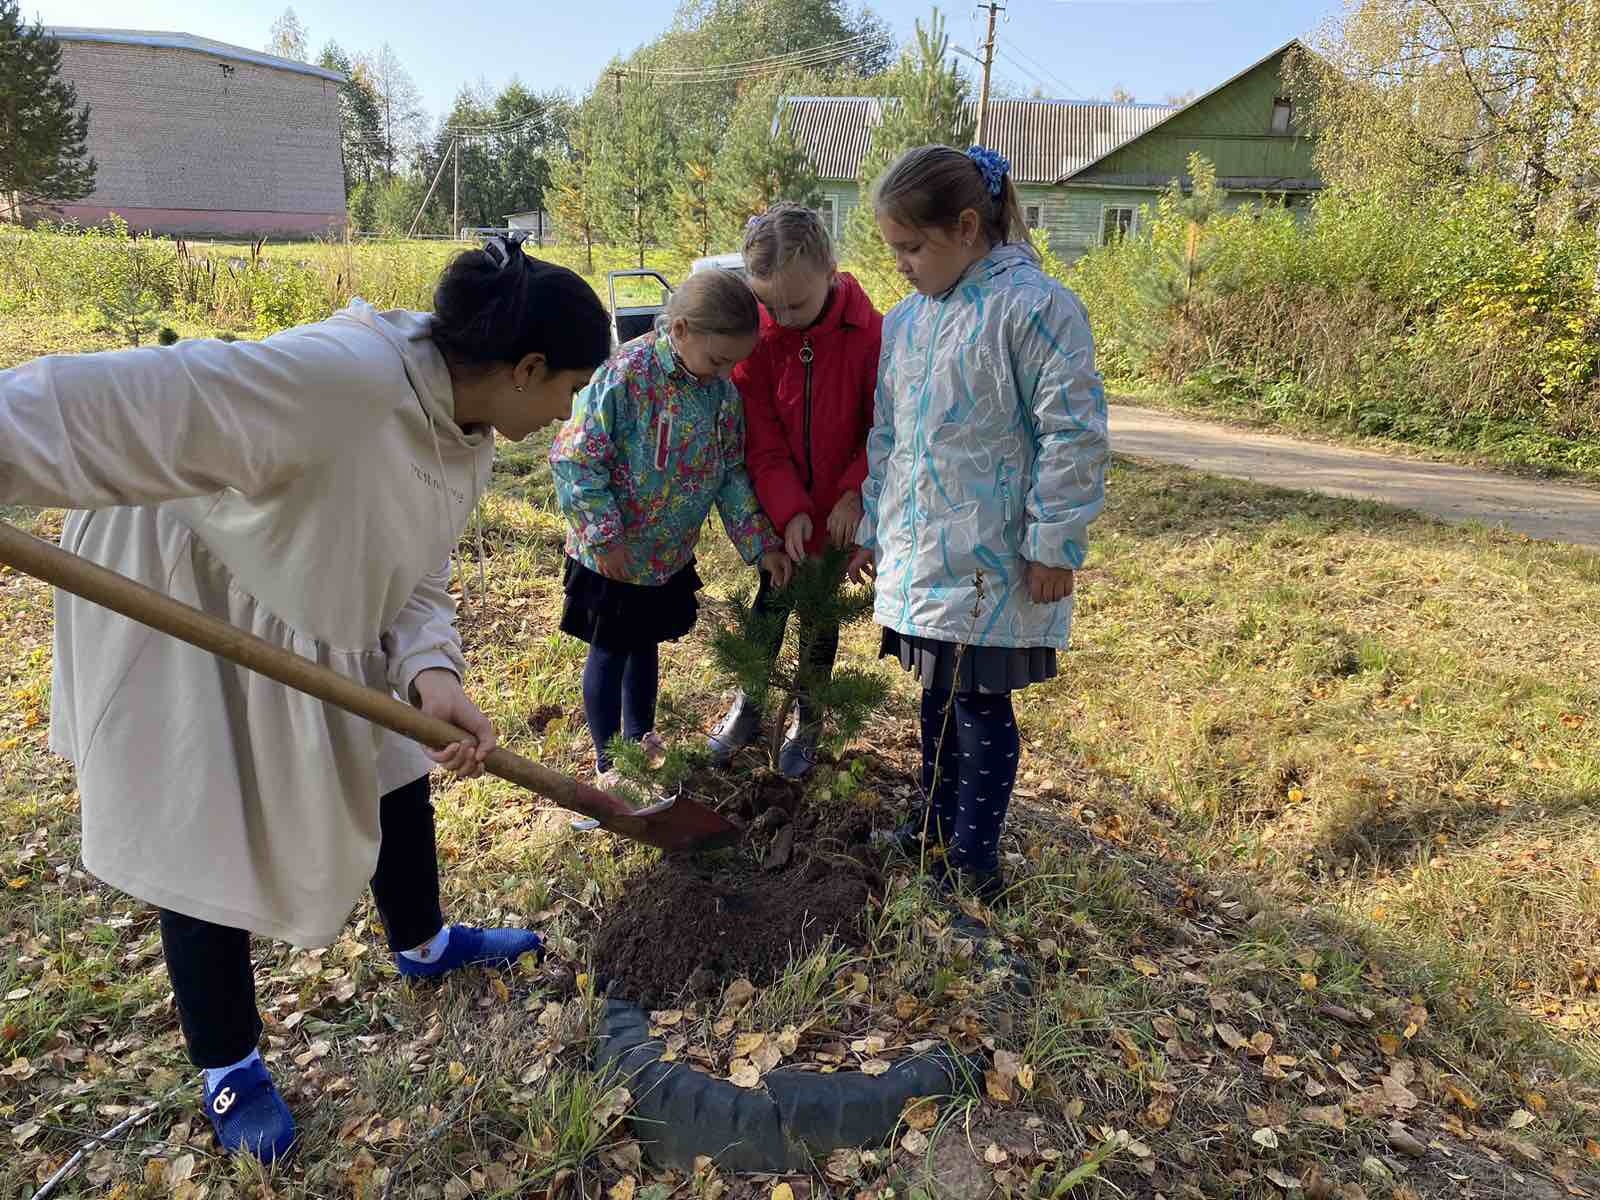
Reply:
x=969, y=766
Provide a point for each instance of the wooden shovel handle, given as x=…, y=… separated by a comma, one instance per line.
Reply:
x=77, y=575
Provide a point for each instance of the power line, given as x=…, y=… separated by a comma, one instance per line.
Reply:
x=1038, y=82
x=854, y=39
x=1049, y=76
x=817, y=56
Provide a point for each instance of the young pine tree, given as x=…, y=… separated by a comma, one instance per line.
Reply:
x=693, y=202
x=633, y=169
x=842, y=700
x=573, y=198
x=760, y=163
x=43, y=132
x=927, y=103
x=1168, y=283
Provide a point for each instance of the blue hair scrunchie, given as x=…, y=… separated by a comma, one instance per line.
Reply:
x=992, y=165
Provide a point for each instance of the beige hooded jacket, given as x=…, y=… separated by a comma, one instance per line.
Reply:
x=308, y=488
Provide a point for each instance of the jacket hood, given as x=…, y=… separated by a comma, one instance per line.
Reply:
x=410, y=333
x=1007, y=256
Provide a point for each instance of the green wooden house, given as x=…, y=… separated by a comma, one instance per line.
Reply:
x=1085, y=169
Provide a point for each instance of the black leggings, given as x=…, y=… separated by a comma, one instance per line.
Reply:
x=212, y=979
x=969, y=766
x=619, y=695
x=819, y=643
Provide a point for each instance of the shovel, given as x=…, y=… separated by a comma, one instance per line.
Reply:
x=674, y=824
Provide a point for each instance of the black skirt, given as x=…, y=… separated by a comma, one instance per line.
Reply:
x=991, y=670
x=616, y=615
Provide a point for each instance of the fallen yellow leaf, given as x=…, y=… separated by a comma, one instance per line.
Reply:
x=1329, y=1115
x=875, y=1066
x=782, y=1191
x=921, y=1115
x=1025, y=1078
x=743, y=1073
x=747, y=1044
x=1145, y=967
x=624, y=1188
x=740, y=992
x=997, y=1086
x=1159, y=1114
x=1308, y=981
x=994, y=1156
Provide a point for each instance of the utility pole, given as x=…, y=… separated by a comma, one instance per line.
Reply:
x=438, y=175
x=455, y=228
x=995, y=9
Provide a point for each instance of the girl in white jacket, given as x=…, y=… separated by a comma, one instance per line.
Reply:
x=309, y=488
x=985, y=465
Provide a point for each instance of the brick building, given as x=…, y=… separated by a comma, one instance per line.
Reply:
x=193, y=136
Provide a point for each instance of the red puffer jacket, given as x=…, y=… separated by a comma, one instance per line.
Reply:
x=807, y=423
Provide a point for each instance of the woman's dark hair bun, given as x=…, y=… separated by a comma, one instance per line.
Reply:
x=499, y=305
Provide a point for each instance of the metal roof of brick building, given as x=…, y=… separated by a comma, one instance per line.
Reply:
x=1044, y=139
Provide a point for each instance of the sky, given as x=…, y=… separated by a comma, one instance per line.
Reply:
x=1068, y=48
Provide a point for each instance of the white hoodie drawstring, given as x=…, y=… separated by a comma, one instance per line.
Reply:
x=444, y=496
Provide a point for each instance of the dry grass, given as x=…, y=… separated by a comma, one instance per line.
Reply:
x=1304, y=848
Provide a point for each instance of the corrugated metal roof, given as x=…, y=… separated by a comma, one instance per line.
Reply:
x=1044, y=139
x=188, y=41
x=835, y=130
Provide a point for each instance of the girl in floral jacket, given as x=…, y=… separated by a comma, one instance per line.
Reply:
x=654, y=441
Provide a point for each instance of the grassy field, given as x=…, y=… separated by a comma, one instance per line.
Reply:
x=1305, y=860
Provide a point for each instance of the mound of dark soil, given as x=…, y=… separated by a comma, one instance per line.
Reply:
x=683, y=927
x=694, y=922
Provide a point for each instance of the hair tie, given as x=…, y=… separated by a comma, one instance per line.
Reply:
x=993, y=166
x=753, y=222
x=503, y=247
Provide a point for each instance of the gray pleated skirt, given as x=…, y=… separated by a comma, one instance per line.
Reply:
x=991, y=670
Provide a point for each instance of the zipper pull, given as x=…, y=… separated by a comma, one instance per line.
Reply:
x=806, y=355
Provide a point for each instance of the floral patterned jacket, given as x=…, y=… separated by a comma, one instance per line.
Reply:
x=646, y=453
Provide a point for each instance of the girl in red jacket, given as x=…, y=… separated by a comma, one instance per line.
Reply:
x=808, y=392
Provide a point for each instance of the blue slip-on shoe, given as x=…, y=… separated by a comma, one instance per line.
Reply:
x=249, y=1116
x=474, y=947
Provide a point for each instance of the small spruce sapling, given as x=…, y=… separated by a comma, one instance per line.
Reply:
x=842, y=700
x=131, y=313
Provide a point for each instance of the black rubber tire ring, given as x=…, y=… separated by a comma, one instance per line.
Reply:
x=680, y=1114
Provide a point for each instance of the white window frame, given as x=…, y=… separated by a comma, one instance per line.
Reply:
x=1033, y=215
x=830, y=218
x=1133, y=219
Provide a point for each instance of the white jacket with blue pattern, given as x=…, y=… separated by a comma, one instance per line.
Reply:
x=988, y=451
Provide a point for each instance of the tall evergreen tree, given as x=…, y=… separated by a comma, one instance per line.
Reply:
x=693, y=202
x=926, y=104
x=574, y=199
x=634, y=169
x=43, y=132
x=760, y=163
x=361, y=141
